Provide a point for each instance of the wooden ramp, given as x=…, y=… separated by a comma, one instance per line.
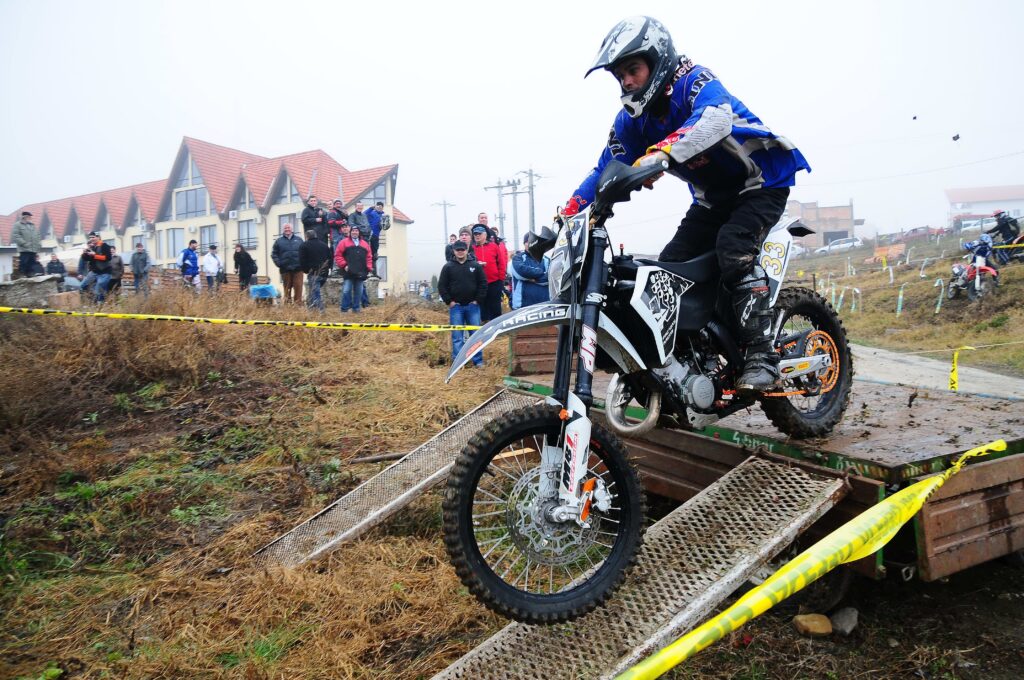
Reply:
x=386, y=493
x=691, y=561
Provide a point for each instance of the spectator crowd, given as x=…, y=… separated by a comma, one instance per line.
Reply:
x=479, y=273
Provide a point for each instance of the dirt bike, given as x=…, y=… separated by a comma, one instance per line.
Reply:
x=971, y=277
x=543, y=513
x=1013, y=250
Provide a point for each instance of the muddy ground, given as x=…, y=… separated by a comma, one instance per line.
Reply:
x=967, y=626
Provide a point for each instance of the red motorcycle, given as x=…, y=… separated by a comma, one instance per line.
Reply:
x=972, y=277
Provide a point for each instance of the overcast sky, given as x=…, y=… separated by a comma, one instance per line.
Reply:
x=98, y=95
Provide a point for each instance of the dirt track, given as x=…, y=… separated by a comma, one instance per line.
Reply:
x=921, y=370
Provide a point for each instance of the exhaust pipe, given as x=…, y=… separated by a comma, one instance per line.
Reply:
x=617, y=400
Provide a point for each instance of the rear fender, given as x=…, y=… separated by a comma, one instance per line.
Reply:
x=609, y=337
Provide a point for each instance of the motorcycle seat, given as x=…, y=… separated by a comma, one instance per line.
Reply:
x=701, y=269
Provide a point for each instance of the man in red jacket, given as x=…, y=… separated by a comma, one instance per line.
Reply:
x=355, y=260
x=494, y=259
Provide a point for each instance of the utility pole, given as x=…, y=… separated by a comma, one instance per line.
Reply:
x=501, y=205
x=531, y=175
x=515, y=191
x=445, y=205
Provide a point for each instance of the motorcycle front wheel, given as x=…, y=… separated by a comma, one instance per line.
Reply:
x=497, y=530
x=976, y=289
x=810, y=406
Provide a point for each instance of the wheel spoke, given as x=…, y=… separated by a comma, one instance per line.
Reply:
x=510, y=533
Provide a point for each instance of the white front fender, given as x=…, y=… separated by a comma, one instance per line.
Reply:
x=609, y=337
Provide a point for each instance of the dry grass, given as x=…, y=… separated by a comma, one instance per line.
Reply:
x=387, y=607
x=151, y=459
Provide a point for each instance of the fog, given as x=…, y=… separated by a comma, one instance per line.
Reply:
x=98, y=95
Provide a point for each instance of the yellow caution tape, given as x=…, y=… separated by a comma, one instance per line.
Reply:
x=954, y=379
x=858, y=538
x=422, y=327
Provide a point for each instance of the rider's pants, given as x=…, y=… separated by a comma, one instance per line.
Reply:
x=733, y=229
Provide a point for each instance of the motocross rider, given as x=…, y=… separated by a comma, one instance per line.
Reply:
x=1006, y=226
x=738, y=170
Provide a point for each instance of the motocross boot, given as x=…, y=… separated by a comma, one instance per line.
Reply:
x=751, y=302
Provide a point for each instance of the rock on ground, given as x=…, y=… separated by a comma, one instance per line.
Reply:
x=813, y=625
x=844, y=620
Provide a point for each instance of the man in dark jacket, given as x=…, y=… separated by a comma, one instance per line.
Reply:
x=315, y=218
x=285, y=255
x=116, y=271
x=1006, y=227
x=315, y=260
x=355, y=260
x=55, y=266
x=463, y=287
x=96, y=257
x=358, y=220
x=449, y=251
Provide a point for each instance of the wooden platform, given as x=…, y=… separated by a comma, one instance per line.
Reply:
x=883, y=426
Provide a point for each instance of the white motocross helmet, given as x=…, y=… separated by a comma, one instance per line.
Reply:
x=644, y=37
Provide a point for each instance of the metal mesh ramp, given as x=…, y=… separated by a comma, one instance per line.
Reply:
x=691, y=561
x=384, y=494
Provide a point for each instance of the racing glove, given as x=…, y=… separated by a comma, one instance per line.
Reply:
x=573, y=206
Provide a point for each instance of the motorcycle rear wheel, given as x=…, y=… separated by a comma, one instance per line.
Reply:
x=811, y=414
x=505, y=550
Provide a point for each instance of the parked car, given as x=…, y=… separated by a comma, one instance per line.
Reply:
x=914, y=234
x=840, y=244
x=796, y=250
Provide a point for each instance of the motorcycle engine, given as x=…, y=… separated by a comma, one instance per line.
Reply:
x=688, y=385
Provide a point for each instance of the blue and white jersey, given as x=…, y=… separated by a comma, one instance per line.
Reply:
x=715, y=142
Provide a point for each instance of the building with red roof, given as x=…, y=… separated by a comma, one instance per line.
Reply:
x=976, y=203
x=223, y=196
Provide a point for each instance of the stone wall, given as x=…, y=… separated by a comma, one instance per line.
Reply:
x=32, y=292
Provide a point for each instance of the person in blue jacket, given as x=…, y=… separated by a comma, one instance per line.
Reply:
x=529, y=279
x=375, y=216
x=188, y=262
x=738, y=170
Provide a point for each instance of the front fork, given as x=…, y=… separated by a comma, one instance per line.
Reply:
x=570, y=454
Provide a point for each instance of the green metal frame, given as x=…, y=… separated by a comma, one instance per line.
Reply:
x=828, y=459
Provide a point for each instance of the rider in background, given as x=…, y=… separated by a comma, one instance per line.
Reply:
x=1006, y=226
x=738, y=170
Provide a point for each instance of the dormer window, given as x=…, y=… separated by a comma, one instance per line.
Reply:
x=190, y=198
x=245, y=200
x=189, y=175
x=378, y=193
x=103, y=219
x=288, y=192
